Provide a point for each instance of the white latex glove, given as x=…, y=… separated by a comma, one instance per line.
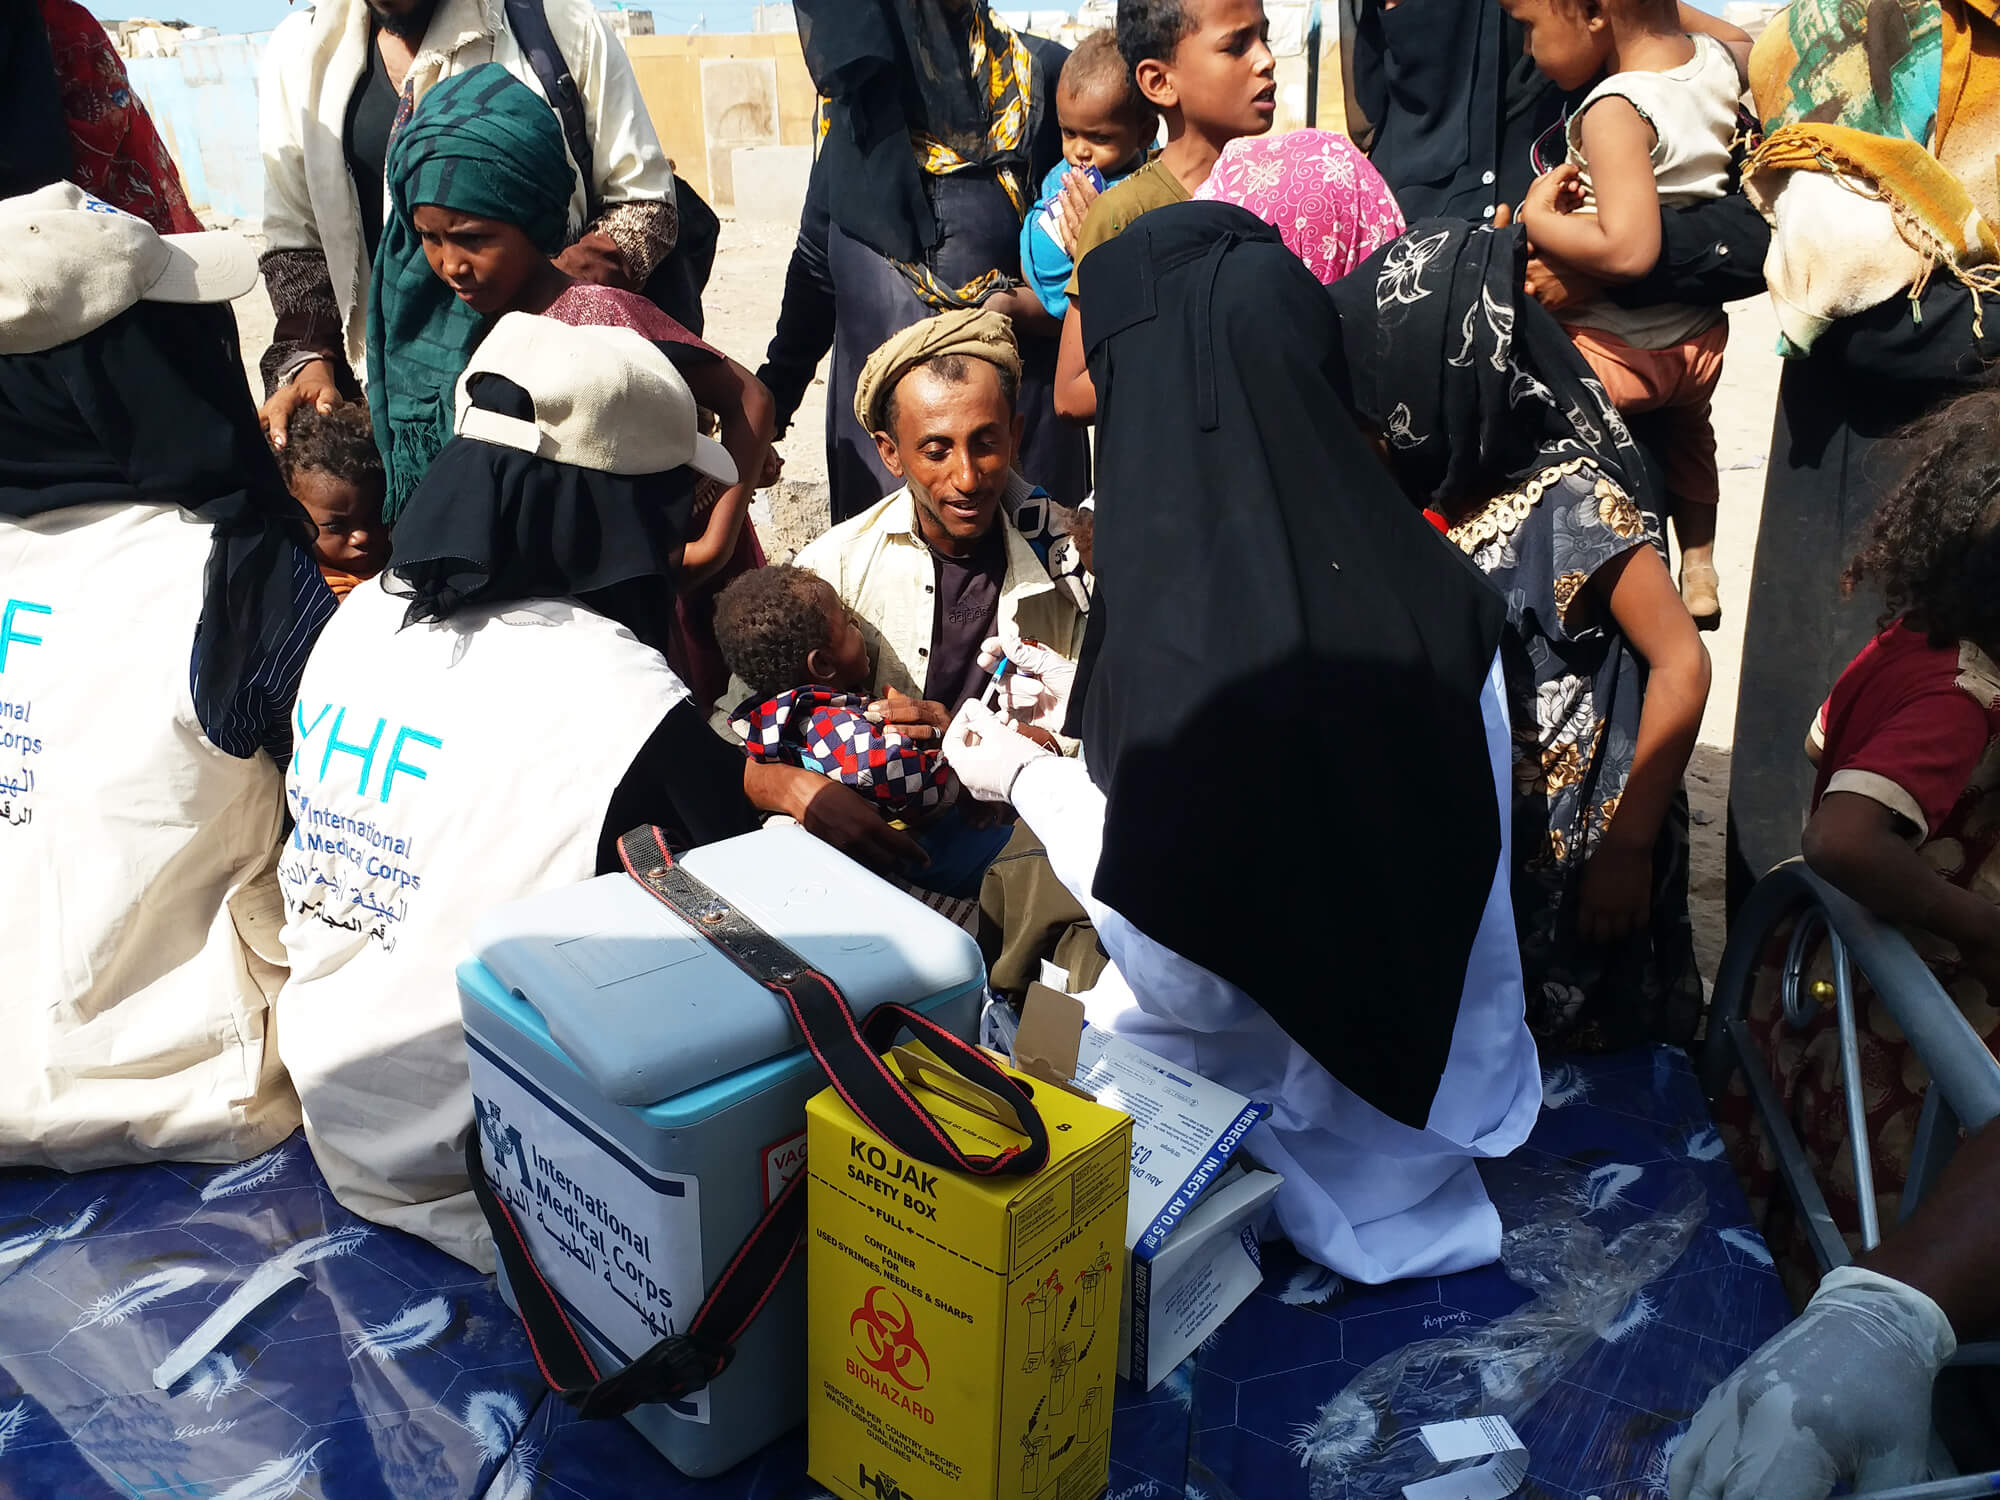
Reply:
x=985, y=754
x=1037, y=686
x=1844, y=1392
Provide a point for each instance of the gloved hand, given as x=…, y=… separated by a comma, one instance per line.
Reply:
x=1843, y=1393
x=1037, y=686
x=986, y=754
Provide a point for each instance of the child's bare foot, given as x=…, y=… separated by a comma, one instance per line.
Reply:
x=1694, y=530
x=1698, y=592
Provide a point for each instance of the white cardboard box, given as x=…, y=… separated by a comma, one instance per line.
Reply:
x=1194, y=1212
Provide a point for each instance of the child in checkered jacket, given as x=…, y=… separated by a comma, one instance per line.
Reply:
x=784, y=631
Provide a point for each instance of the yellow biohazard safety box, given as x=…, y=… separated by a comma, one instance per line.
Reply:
x=962, y=1332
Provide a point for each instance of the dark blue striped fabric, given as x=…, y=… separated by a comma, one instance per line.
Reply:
x=259, y=715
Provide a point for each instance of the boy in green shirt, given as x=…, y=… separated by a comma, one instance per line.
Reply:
x=1207, y=67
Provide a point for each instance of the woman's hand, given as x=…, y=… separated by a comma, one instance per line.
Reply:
x=1549, y=281
x=1842, y=1393
x=915, y=718
x=596, y=258
x=1024, y=310
x=1036, y=689
x=1557, y=286
x=1617, y=896
x=986, y=753
x=313, y=384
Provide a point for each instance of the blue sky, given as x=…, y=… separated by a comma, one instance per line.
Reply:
x=262, y=15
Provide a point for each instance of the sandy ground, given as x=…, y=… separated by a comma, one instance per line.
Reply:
x=742, y=307
x=1744, y=405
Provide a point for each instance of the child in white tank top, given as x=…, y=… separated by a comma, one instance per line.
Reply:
x=1656, y=132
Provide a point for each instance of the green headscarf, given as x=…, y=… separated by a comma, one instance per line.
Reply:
x=481, y=143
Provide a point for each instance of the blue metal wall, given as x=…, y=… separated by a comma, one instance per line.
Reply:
x=205, y=103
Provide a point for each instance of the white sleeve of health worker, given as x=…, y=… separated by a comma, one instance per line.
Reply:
x=1066, y=810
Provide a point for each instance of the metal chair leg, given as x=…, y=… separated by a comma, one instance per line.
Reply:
x=1965, y=1078
x=1857, y=1107
x=1931, y=1152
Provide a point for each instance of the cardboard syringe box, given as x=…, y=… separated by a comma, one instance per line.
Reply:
x=1194, y=1213
x=954, y=1350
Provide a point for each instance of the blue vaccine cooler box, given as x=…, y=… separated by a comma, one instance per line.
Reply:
x=641, y=1100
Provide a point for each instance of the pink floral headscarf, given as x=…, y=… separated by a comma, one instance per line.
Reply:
x=1325, y=199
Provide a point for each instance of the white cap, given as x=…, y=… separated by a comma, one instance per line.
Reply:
x=605, y=399
x=72, y=263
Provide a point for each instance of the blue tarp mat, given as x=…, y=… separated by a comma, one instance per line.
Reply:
x=393, y=1371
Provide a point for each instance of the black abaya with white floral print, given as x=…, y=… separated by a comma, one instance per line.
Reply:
x=1475, y=390
x=1575, y=688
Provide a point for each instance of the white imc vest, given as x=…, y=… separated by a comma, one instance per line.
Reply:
x=138, y=915
x=439, y=771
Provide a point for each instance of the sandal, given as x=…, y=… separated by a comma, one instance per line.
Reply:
x=1698, y=593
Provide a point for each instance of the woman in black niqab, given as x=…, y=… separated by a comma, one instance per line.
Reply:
x=1281, y=695
x=491, y=525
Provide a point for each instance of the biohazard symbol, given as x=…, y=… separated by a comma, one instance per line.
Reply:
x=887, y=1340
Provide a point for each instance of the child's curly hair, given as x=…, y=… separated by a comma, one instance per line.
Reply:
x=767, y=622
x=1933, y=546
x=340, y=442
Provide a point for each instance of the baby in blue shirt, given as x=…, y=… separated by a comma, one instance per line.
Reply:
x=1107, y=125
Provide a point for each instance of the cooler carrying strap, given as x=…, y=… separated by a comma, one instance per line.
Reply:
x=677, y=1365
x=850, y=1052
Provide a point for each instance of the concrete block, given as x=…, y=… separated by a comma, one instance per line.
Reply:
x=770, y=182
x=739, y=107
x=1289, y=20
x=1291, y=79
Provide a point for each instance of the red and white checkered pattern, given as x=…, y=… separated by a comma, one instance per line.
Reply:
x=828, y=731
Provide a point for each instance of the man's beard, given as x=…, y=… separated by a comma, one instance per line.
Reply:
x=408, y=25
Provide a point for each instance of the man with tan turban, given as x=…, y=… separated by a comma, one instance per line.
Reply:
x=940, y=565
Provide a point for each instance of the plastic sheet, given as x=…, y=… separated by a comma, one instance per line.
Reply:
x=391, y=1372
x=998, y=1022
x=1365, y=1444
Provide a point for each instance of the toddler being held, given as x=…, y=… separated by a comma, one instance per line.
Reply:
x=786, y=633
x=1657, y=131
x=1107, y=127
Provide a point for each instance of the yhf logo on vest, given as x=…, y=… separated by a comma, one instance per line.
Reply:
x=362, y=751
x=18, y=734
x=361, y=869
x=17, y=713
x=10, y=634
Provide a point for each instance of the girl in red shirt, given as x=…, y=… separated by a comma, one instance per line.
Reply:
x=1906, y=806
